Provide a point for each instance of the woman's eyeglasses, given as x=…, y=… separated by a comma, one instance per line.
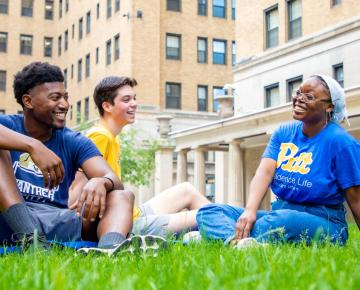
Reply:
x=307, y=98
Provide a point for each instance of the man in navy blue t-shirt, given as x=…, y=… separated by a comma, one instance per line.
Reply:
x=39, y=157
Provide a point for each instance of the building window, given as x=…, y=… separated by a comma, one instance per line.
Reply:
x=78, y=112
x=66, y=40
x=97, y=55
x=219, y=51
x=338, y=71
x=202, y=50
x=272, y=27
x=173, y=5
x=108, y=52
x=20, y=112
x=4, y=6
x=73, y=31
x=173, y=96
x=80, y=28
x=117, y=47
x=272, y=96
x=48, y=43
x=2, y=80
x=88, y=22
x=294, y=15
x=108, y=9
x=335, y=2
x=26, y=44
x=3, y=41
x=291, y=86
x=65, y=78
x=117, y=5
x=173, y=46
x=86, y=109
x=59, y=44
x=79, y=76
x=66, y=5
x=87, y=65
x=202, y=7
x=233, y=10
x=72, y=71
x=97, y=11
x=27, y=8
x=202, y=98
x=49, y=9
x=219, y=8
x=233, y=53
x=2, y=112
x=60, y=8
x=217, y=91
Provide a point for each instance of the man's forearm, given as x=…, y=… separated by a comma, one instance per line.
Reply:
x=11, y=140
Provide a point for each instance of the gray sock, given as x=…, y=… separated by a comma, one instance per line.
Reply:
x=19, y=220
x=110, y=239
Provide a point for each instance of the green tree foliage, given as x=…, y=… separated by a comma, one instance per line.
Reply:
x=137, y=158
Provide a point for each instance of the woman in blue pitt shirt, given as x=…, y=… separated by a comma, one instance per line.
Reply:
x=312, y=165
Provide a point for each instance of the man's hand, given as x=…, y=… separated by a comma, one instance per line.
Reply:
x=92, y=198
x=244, y=224
x=49, y=164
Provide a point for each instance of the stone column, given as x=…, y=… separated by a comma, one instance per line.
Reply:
x=163, y=168
x=199, y=170
x=181, y=170
x=164, y=156
x=221, y=174
x=236, y=175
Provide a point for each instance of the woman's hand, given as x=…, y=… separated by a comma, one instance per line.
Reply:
x=245, y=223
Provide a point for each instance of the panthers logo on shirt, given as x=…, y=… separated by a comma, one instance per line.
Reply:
x=27, y=164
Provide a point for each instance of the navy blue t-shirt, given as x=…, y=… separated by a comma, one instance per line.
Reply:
x=314, y=170
x=71, y=147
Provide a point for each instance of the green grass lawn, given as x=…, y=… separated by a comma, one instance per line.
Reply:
x=198, y=266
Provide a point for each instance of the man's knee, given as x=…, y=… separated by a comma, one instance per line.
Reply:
x=121, y=197
x=187, y=188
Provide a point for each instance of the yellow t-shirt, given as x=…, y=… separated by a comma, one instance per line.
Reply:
x=109, y=146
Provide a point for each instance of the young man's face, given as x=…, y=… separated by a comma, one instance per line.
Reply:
x=124, y=108
x=48, y=104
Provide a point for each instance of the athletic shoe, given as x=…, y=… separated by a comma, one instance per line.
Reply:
x=147, y=245
x=32, y=242
x=247, y=243
x=191, y=237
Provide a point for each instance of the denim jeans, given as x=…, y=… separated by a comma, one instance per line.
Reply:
x=285, y=222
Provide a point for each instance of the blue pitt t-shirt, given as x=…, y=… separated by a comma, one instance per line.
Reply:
x=71, y=147
x=313, y=170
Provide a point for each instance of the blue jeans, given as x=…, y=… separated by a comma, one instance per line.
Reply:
x=285, y=222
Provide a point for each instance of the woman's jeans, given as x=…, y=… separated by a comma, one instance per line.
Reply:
x=286, y=222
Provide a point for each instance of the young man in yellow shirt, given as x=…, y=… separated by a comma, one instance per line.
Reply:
x=164, y=214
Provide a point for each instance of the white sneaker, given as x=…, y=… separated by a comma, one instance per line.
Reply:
x=192, y=237
x=248, y=243
x=148, y=245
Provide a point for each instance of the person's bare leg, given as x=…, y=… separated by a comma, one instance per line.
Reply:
x=118, y=216
x=9, y=194
x=177, y=198
x=182, y=221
